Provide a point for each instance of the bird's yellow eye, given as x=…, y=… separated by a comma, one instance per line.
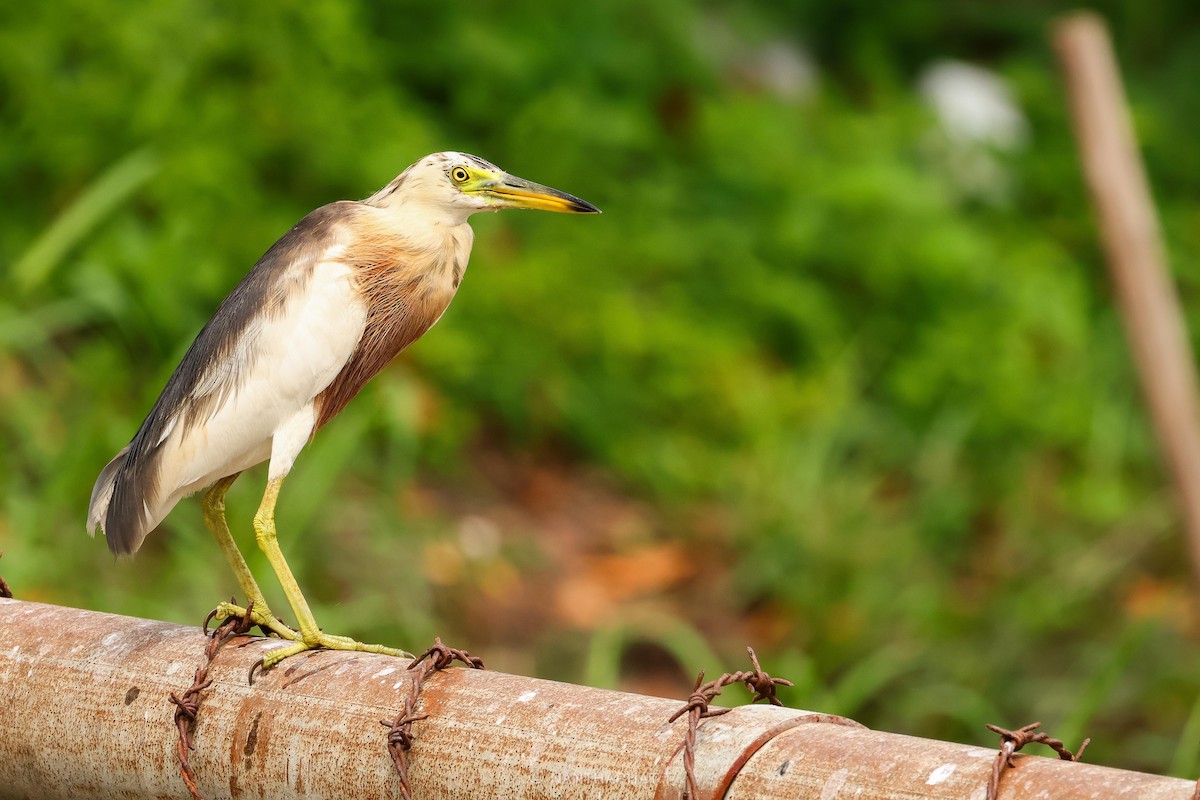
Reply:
x=459, y=174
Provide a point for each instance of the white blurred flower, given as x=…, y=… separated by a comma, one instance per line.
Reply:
x=973, y=104
x=478, y=537
x=977, y=117
x=778, y=66
x=781, y=67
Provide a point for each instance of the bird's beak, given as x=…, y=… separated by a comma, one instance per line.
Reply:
x=509, y=191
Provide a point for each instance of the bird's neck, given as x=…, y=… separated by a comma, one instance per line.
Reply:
x=429, y=226
x=412, y=242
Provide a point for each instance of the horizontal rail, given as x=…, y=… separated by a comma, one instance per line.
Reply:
x=85, y=712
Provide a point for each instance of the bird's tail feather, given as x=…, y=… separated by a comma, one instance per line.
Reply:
x=121, y=539
x=102, y=492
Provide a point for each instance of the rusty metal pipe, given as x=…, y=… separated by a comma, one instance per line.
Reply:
x=84, y=713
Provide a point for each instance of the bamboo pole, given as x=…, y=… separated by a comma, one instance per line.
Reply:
x=1136, y=257
x=84, y=712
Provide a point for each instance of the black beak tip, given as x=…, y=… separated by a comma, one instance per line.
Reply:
x=583, y=206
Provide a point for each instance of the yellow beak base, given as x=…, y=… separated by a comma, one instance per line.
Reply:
x=512, y=192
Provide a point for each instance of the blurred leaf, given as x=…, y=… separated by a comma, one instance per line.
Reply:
x=681, y=640
x=77, y=220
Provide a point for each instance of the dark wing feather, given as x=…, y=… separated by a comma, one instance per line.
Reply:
x=191, y=393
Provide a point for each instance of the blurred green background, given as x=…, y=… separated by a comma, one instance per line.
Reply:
x=831, y=376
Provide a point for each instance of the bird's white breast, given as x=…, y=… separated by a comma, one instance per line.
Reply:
x=281, y=366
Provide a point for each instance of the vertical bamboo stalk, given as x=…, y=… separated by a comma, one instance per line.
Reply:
x=1136, y=257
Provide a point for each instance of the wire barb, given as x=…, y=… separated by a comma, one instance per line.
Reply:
x=697, y=708
x=4, y=590
x=400, y=736
x=188, y=706
x=1013, y=741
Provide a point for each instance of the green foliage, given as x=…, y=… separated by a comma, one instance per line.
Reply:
x=913, y=408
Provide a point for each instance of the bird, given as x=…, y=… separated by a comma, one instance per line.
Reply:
x=344, y=291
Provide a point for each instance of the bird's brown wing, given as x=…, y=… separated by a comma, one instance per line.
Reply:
x=128, y=488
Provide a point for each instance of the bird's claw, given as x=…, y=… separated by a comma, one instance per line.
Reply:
x=325, y=641
x=297, y=642
x=260, y=615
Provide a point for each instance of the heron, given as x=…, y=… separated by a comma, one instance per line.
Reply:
x=326, y=308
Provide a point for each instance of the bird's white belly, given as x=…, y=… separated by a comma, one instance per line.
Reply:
x=286, y=363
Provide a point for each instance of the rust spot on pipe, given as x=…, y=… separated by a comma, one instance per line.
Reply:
x=252, y=737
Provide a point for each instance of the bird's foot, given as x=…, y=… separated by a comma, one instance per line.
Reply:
x=260, y=615
x=325, y=641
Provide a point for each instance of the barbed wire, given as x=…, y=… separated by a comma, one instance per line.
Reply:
x=4, y=590
x=1012, y=741
x=400, y=735
x=188, y=706
x=697, y=708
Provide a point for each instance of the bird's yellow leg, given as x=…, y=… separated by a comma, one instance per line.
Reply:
x=311, y=636
x=213, y=504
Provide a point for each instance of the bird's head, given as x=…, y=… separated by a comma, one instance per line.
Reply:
x=460, y=185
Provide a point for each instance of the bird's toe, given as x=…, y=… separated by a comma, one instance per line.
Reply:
x=260, y=615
